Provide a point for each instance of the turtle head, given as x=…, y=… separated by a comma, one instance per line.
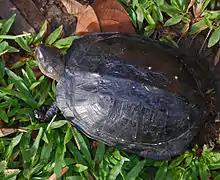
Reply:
x=51, y=61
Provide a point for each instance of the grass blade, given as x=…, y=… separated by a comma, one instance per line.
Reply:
x=135, y=171
x=30, y=74
x=99, y=153
x=23, y=92
x=26, y=79
x=23, y=44
x=217, y=177
x=3, y=116
x=24, y=147
x=3, y=165
x=214, y=38
x=18, y=82
x=65, y=43
x=13, y=143
x=58, y=124
x=174, y=20
x=41, y=33
x=114, y=172
x=203, y=171
x=44, y=89
x=198, y=27
x=54, y=35
x=77, y=155
x=3, y=47
x=80, y=168
x=59, y=160
x=74, y=178
x=82, y=146
x=68, y=135
x=46, y=152
x=7, y=25
x=12, y=49
x=162, y=171
x=34, y=148
x=2, y=68
x=12, y=37
x=34, y=85
x=178, y=160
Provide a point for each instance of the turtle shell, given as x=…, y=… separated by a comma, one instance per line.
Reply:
x=133, y=93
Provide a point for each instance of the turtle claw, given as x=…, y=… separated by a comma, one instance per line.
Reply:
x=39, y=114
x=44, y=113
x=51, y=112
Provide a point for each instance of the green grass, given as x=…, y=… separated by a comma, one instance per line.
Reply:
x=156, y=18
x=30, y=149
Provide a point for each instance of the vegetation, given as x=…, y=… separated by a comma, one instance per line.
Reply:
x=30, y=149
x=190, y=17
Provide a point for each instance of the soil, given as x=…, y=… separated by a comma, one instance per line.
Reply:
x=53, y=10
x=56, y=14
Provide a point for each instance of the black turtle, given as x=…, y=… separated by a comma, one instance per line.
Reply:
x=128, y=91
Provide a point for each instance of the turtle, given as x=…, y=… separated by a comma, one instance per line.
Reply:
x=129, y=92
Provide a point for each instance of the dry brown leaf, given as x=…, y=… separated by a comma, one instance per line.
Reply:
x=73, y=7
x=112, y=16
x=7, y=131
x=104, y=15
x=10, y=171
x=87, y=22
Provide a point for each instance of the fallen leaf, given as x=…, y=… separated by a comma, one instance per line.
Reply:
x=11, y=171
x=112, y=16
x=102, y=16
x=73, y=7
x=87, y=20
x=7, y=131
x=86, y=2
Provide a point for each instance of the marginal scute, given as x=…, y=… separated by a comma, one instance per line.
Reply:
x=132, y=93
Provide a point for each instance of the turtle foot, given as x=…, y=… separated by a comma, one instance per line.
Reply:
x=45, y=113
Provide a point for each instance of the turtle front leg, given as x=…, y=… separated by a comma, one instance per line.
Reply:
x=45, y=114
x=52, y=111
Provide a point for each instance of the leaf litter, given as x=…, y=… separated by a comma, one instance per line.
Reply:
x=101, y=16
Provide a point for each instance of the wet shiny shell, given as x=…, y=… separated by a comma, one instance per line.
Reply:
x=132, y=93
